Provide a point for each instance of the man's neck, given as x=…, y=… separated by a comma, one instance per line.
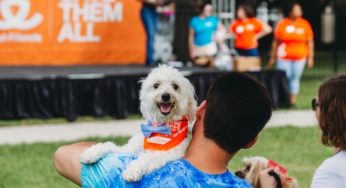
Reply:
x=206, y=156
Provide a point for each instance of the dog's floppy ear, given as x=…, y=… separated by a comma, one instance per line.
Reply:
x=192, y=105
x=192, y=108
x=257, y=166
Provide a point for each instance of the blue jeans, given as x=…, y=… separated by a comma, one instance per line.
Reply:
x=294, y=70
x=149, y=18
x=248, y=52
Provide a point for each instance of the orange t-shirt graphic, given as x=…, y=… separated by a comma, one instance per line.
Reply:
x=293, y=37
x=245, y=32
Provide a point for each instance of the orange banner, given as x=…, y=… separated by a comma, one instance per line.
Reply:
x=71, y=32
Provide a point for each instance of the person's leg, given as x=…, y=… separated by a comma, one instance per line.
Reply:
x=66, y=160
x=149, y=18
x=286, y=66
x=297, y=72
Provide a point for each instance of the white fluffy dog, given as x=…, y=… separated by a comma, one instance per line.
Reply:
x=168, y=106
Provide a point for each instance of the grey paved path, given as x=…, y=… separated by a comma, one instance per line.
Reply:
x=75, y=131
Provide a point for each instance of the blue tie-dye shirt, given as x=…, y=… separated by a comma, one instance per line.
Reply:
x=180, y=173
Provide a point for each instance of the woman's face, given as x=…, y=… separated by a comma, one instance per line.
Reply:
x=296, y=11
x=207, y=11
x=241, y=13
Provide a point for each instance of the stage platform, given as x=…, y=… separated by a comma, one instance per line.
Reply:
x=70, y=92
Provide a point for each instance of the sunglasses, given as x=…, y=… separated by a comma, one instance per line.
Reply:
x=314, y=104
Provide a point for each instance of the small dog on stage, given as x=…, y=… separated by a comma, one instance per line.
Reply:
x=168, y=105
x=255, y=165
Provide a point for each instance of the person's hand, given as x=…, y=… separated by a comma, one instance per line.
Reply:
x=310, y=62
x=266, y=180
x=271, y=63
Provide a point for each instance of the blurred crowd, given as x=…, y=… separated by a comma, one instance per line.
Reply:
x=292, y=45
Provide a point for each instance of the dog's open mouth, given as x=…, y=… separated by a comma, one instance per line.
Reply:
x=165, y=108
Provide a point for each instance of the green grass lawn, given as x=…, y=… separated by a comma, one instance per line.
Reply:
x=308, y=91
x=298, y=149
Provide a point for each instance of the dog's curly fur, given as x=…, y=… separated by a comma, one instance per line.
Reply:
x=161, y=80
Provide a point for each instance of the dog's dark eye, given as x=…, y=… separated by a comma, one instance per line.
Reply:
x=175, y=86
x=247, y=168
x=156, y=85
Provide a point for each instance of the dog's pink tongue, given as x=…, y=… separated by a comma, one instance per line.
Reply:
x=165, y=108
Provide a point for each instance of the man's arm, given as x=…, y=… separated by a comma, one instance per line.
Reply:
x=66, y=160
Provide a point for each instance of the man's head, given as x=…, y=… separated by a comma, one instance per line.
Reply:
x=237, y=109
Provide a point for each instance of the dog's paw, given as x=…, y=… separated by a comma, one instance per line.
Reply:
x=91, y=155
x=132, y=175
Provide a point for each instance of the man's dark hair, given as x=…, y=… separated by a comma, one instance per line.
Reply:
x=238, y=107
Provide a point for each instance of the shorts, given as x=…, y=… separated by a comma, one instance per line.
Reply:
x=206, y=50
x=248, y=52
x=106, y=172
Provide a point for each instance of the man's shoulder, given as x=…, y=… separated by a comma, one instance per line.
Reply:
x=173, y=168
x=173, y=174
x=181, y=173
x=238, y=182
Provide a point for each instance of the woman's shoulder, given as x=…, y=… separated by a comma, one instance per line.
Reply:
x=255, y=19
x=332, y=172
x=283, y=23
x=335, y=162
x=213, y=18
x=195, y=18
x=303, y=20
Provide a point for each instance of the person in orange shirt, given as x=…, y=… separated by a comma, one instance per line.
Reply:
x=247, y=29
x=293, y=47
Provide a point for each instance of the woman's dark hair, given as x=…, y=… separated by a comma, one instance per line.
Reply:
x=288, y=8
x=248, y=10
x=332, y=104
x=238, y=107
x=202, y=6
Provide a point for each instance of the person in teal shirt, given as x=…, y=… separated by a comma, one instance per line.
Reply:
x=202, y=29
x=235, y=110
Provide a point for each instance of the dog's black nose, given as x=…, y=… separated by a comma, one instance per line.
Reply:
x=166, y=97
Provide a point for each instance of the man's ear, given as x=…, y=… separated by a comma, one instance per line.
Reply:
x=201, y=108
x=251, y=143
